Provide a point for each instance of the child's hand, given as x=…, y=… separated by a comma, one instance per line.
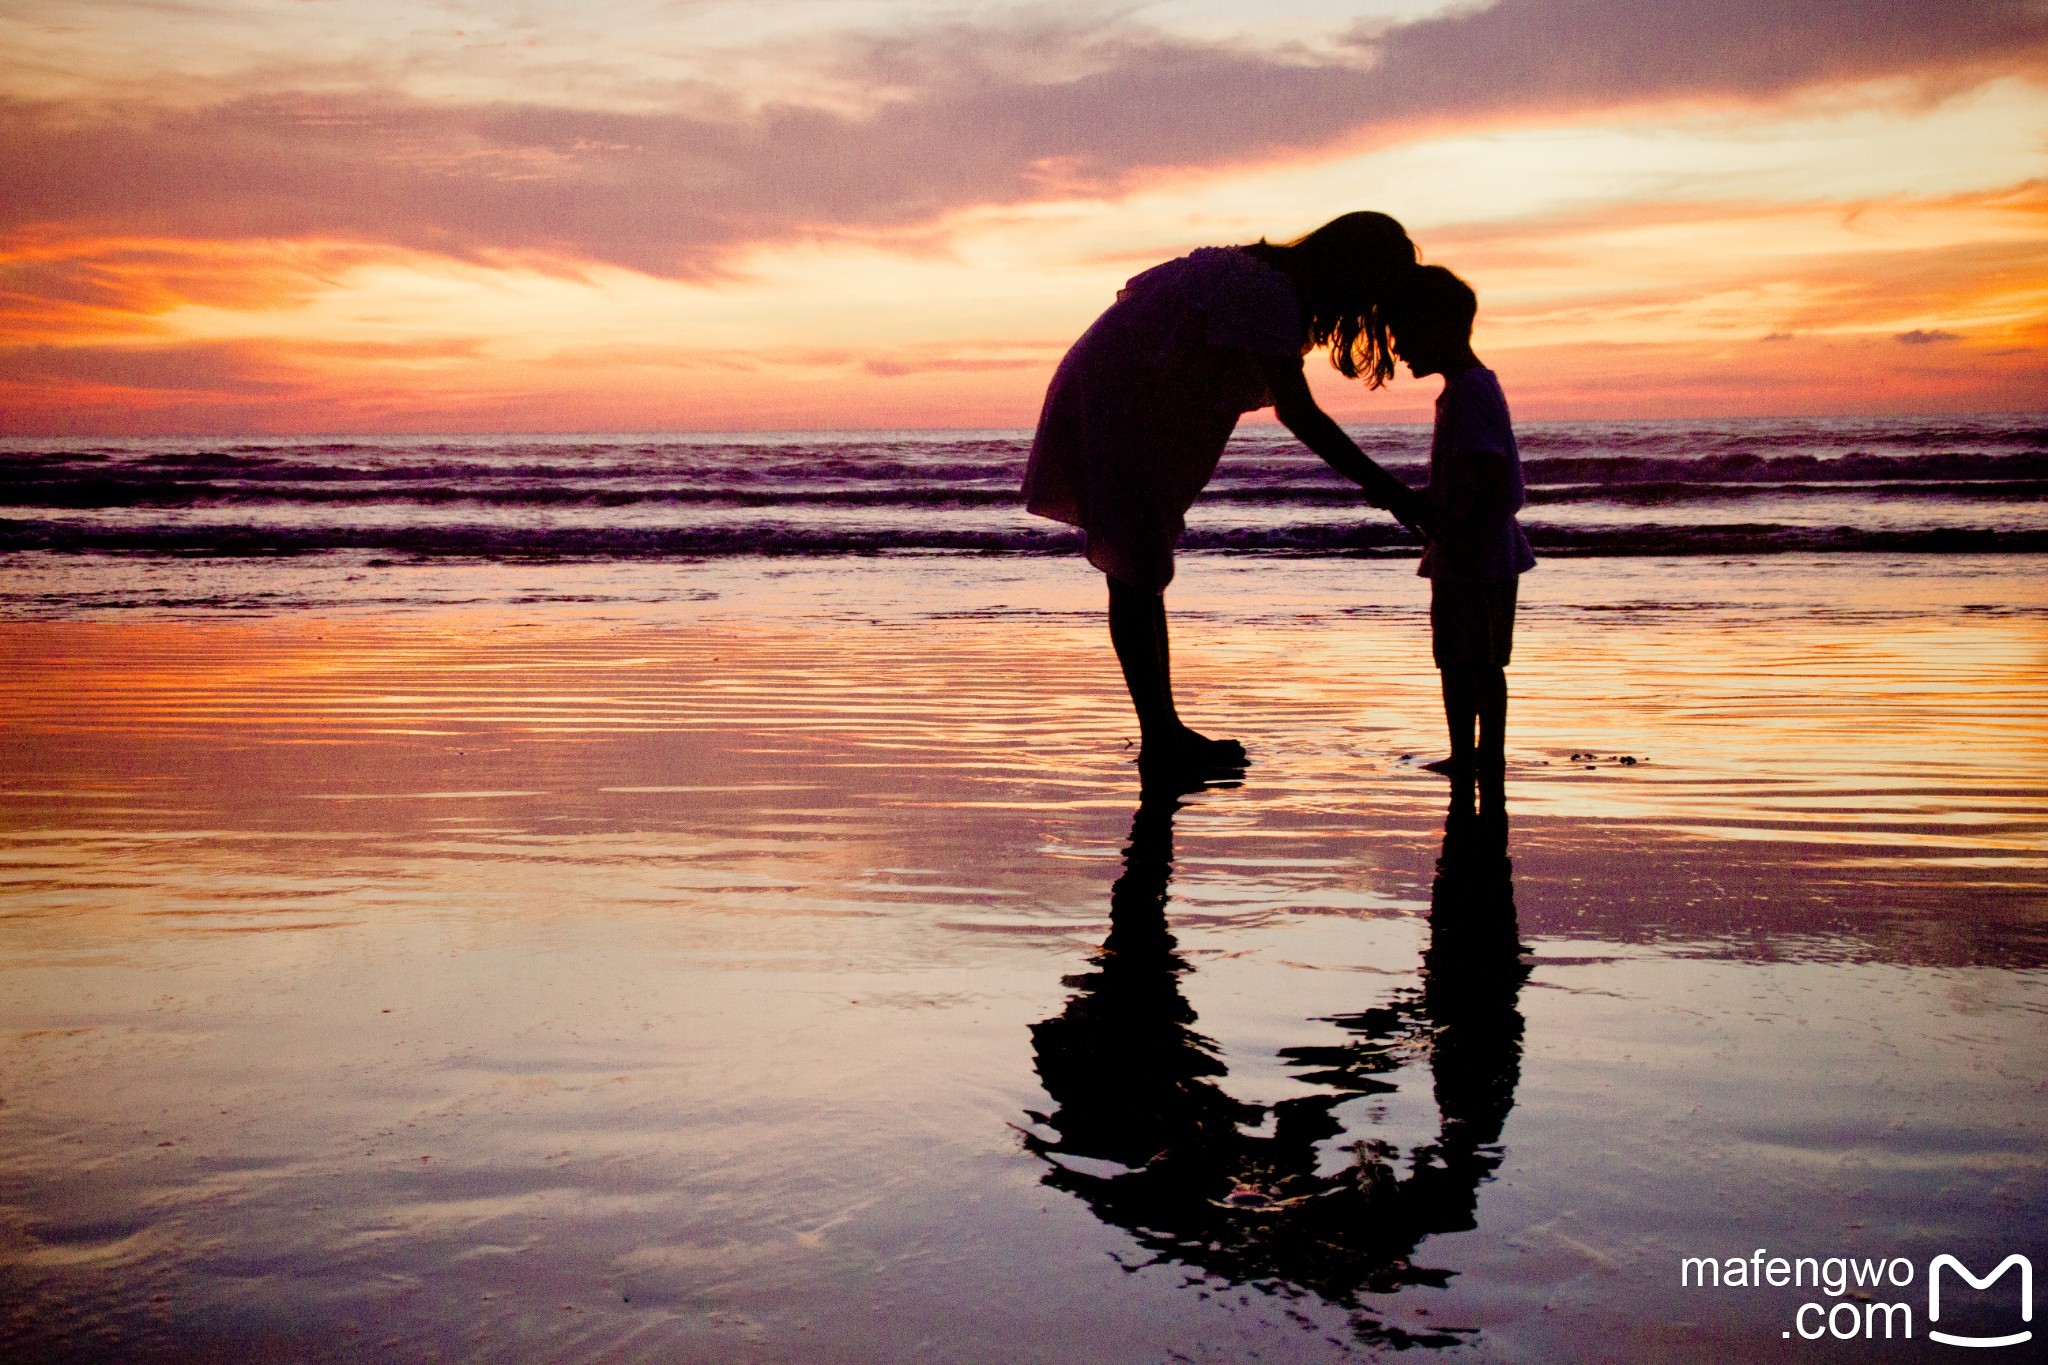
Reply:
x=1414, y=512
x=1388, y=493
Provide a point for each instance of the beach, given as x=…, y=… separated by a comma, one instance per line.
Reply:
x=576, y=636
x=704, y=959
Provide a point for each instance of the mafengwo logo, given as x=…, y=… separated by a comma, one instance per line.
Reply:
x=1934, y=1270
x=1861, y=1316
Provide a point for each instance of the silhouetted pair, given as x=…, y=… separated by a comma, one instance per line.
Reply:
x=1140, y=409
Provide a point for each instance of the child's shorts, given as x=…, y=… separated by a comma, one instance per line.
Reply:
x=1471, y=625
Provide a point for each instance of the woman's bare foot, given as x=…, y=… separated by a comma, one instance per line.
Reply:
x=1452, y=767
x=1190, y=751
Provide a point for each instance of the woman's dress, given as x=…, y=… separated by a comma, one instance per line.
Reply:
x=1138, y=412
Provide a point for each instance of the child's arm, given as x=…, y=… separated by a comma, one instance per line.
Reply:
x=1296, y=408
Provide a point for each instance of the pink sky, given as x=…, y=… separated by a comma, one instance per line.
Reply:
x=789, y=213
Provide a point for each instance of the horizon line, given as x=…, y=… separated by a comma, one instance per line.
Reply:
x=567, y=432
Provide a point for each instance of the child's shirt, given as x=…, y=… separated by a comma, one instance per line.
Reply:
x=1475, y=485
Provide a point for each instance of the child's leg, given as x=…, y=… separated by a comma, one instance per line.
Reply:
x=1492, y=682
x=1490, y=704
x=1490, y=692
x=1461, y=711
x=1450, y=644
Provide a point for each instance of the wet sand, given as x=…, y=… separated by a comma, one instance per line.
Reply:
x=709, y=962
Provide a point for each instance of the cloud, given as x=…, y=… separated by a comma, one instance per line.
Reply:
x=982, y=357
x=237, y=369
x=1576, y=54
x=116, y=287
x=1974, y=282
x=1789, y=268
x=958, y=117
x=895, y=367
x=1917, y=337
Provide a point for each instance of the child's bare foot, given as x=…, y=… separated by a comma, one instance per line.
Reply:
x=1187, y=750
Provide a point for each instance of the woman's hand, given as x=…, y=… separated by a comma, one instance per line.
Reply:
x=1296, y=408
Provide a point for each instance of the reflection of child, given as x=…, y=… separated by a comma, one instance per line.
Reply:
x=1477, y=550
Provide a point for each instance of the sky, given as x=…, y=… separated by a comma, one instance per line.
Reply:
x=280, y=216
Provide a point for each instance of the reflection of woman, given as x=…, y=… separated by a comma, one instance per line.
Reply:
x=1133, y=1079
x=1138, y=413
x=1144, y=1133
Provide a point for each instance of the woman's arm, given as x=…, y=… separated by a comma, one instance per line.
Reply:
x=1296, y=408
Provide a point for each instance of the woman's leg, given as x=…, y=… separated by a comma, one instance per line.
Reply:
x=1137, y=627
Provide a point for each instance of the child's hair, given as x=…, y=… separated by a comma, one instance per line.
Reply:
x=1342, y=272
x=1432, y=292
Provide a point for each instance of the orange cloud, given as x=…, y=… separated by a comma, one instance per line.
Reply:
x=959, y=118
x=60, y=288
x=364, y=258
x=454, y=384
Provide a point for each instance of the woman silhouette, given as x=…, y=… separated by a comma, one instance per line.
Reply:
x=1138, y=413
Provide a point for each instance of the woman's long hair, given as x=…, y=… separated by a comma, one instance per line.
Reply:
x=1342, y=271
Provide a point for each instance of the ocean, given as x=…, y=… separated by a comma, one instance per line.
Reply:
x=1735, y=486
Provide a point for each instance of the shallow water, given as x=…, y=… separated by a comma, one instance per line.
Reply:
x=708, y=961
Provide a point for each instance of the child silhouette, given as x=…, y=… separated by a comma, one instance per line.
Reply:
x=1477, y=551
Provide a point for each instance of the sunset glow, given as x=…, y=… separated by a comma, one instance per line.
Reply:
x=366, y=217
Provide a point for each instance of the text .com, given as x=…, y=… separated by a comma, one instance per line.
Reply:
x=1867, y=1280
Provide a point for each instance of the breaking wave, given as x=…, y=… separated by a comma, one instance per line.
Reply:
x=1737, y=486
